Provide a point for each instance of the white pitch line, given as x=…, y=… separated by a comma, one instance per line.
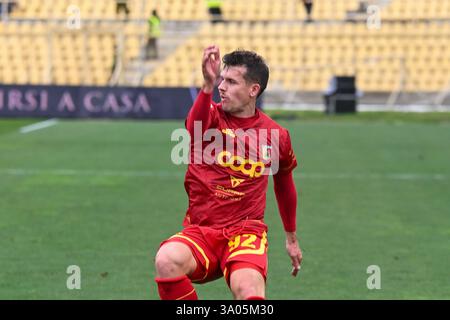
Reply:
x=72, y=172
x=181, y=174
x=374, y=176
x=38, y=126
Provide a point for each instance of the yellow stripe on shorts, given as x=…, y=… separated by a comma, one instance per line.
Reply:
x=179, y=235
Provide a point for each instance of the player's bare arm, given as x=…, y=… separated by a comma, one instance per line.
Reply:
x=294, y=251
x=210, y=67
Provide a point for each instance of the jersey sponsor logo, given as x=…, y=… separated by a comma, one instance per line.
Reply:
x=239, y=164
x=228, y=194
x=235, y=181
x=199, y=146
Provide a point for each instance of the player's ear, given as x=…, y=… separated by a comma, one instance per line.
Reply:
x=254, y=90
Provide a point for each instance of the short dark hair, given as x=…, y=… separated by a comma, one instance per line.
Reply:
x=257, y=69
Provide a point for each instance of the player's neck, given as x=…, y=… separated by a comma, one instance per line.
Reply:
x=247, y=112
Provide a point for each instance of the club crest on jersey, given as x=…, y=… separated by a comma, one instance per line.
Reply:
x=266, y=152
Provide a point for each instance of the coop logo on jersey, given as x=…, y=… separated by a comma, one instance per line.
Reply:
x=236, y=163
x=253, y=152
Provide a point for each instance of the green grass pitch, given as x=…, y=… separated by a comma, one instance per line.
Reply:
x=103, y=194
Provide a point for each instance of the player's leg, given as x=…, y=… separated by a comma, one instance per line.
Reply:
x=246, y=282
x=174, y=259
x=182, y=259
x=246, y=260
x=173, y=262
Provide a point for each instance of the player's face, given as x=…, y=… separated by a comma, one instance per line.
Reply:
x=235, y=93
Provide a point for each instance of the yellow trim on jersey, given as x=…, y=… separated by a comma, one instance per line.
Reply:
x=199, y=249
x=258, y=251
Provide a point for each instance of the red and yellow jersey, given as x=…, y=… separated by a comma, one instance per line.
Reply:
x=226, y=181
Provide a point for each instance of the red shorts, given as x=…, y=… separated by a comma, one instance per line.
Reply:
x=216, y=250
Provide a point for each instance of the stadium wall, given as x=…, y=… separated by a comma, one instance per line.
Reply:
x=95, y=102
x=41, y=101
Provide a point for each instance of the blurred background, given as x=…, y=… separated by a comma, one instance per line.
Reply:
x=398, y=51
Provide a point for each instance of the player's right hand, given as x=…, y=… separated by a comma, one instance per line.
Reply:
x=210, y=67
x=294, y=252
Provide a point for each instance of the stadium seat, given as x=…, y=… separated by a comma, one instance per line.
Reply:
x=327, y=49
x=414, y=36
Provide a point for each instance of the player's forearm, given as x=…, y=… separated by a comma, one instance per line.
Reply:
x=286, y=196
x=291, y=237
x=199, y=111
x=208, y=87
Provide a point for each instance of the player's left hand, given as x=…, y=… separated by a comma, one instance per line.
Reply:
x=294, y=252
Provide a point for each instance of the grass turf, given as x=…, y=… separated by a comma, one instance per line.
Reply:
x=103, y=194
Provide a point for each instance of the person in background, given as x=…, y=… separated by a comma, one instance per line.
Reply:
x=154, y=24
x=215, y=10
x=122, y=5
x=308, y=7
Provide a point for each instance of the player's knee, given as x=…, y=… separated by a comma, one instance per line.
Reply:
x=246, y=289
x=171, y=263
x=167, y=265
x=247, y=286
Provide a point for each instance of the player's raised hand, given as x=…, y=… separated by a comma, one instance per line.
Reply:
x=210, y=67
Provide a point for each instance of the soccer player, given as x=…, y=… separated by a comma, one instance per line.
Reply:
x=224, y=232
